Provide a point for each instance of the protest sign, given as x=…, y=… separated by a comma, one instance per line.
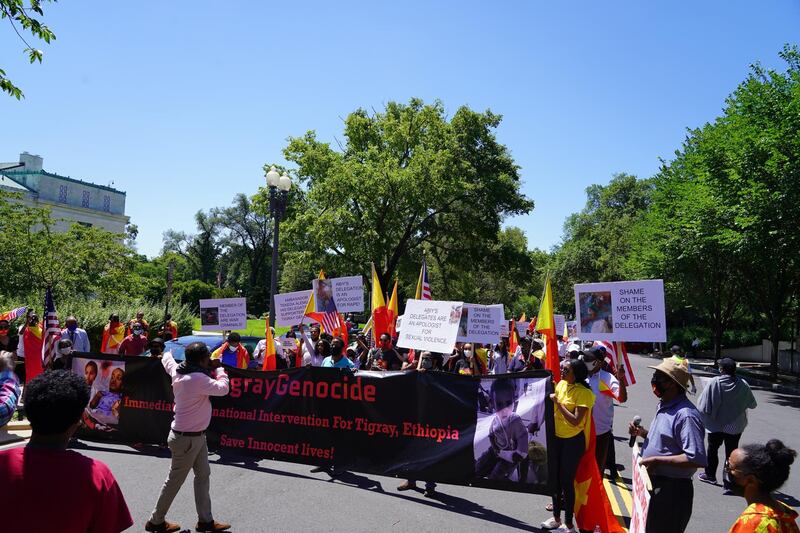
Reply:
x=504, y=331
x=641, y=494
x=223, y=314
x=631, y=311
x=348, y=293
x=371, y=422
x=430, y=325
x=323, y=295
x=289, y=307
x=288, y=343
x=559, y=321
x=481, y=323
x=522, y=329
x=398, y=324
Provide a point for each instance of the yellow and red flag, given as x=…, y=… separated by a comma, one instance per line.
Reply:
x=380, y=313
x=546, y=325
x=513, y=340
x=33, y=341
x=592, y=507
x=522, y=318
x=393, y=312
x=270, y=355
x=113, y=335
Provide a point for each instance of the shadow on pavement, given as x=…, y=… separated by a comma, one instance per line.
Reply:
x=784, y=400
x=441, y=501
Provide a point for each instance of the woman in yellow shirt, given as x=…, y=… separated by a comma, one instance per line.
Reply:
x=573, y=401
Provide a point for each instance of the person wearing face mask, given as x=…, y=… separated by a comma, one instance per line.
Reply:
x=757, y=471
x=63, y=357
x=76, y=335
x=113, y=335
x=10, y=343
x=135, y=343
x=606, y=388
x=673, y=450
x=468, y=364
x=573, y=400
x=232, y=352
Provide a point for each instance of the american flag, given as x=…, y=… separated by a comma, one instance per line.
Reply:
x=52, y=329
x=330, y=321
x=13, y=314
x=423, y=287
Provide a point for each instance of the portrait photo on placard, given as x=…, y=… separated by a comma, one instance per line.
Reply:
x=105, y=381
x=596, y=314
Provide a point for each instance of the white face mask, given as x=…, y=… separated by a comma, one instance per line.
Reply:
x=468, y=353
x=65, y=351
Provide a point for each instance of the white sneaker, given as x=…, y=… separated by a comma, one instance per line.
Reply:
x=551, y=523
x=565, y=529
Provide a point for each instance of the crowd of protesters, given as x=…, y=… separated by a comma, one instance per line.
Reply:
x=681, y=439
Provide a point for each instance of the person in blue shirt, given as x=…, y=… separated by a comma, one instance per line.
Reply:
x=337, y=359
x=673, y=449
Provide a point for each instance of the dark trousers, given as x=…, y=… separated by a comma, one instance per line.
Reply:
x=564, y=461
x=715, y=440
x=603, y=442
x=670, y=505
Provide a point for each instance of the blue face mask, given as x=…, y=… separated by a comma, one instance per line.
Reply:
x=72, y=327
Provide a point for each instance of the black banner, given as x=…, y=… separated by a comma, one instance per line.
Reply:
x=490, y=431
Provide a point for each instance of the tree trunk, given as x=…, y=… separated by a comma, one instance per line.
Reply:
x=775, y=337
x=717, y=343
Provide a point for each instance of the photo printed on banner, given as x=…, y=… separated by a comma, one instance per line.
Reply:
x=510, y=438
x=105, y=380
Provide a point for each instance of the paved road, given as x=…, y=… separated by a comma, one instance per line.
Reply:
x=275, y=496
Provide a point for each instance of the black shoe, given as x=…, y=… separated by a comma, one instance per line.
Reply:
x=429, y=493
x=318, y=469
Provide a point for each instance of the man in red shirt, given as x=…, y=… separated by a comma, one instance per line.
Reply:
x=49, y=487
x=135, y=343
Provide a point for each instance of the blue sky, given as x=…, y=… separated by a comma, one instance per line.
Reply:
x=181, y=103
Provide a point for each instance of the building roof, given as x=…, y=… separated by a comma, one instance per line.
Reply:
x=10, y=183
x=12, y=173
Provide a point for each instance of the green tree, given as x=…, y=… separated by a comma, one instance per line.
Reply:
x=200, y=251
x=407, y=179
x=598, y=240
x=22, y=19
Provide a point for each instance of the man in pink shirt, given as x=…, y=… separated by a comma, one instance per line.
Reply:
x=46, y=487
x=193, y=382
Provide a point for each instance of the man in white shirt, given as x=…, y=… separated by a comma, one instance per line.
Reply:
x=261, y=349
x=606, y=388
x=193, y=382
x=310, y=356
x=78, y=336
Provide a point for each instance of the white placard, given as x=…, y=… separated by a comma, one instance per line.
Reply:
x=398, y=324
x=223, y=314
x=289, y=307
x=631, y=311
x=559, y=321
x=522, y=329
x=348, y=293
x=288, y=343
x=481, y=323
x=641, y=494
x=430, y=325
x=504, y=331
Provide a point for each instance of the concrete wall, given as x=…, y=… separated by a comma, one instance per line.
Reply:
x=760, y=353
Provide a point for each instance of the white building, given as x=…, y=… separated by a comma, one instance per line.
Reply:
x=70, y=200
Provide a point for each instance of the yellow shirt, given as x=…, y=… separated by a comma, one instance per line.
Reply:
x=572, y=396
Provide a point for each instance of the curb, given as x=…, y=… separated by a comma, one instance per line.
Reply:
x=751, y=379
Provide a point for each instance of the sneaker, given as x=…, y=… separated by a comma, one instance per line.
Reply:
x=728, y=492
x=163, y=527
x=551, y=523
x=212, y=527
x=408, y=485
x=565, y=529
x=706, y=479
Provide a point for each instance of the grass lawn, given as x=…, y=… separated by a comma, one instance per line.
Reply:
x=255, y=328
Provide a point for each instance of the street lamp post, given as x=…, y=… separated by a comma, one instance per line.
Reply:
x=278, y=194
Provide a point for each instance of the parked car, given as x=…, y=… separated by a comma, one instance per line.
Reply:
x=178, y=346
